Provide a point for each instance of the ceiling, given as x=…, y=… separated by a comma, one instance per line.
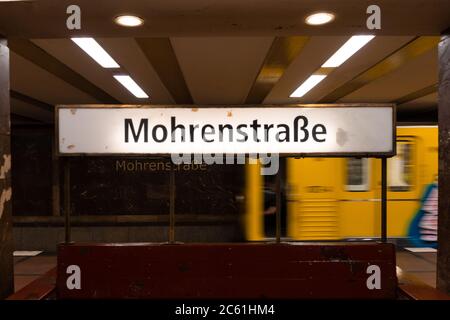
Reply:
x=216, y=70
x=222, y=52
x=176, y=18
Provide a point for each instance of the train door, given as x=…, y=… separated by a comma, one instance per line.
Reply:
x=312, y=202
x=359, y=205
x=404, y=184
x=360, y=198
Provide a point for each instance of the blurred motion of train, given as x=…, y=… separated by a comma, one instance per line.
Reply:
x=339, y=198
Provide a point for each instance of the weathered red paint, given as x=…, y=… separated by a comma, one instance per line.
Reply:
x=227, y=270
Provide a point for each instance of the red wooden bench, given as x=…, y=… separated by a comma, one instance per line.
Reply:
x=286, y=270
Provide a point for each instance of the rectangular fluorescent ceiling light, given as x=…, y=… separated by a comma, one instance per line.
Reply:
x=131, y=86
x=96, y=52
x=347, y=50
x=310, y=83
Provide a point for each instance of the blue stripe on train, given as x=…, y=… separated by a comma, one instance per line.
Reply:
x=414, y=233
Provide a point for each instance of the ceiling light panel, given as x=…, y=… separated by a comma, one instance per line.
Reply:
x=306, y=86
x=131, y=86
x=353, y=45
x=96, y=52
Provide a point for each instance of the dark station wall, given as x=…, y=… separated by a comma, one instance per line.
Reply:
x=207, y=196
x=140, y=186
x=31, y=171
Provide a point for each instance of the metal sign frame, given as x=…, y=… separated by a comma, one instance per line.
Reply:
x=171, y=233
x=300, y=106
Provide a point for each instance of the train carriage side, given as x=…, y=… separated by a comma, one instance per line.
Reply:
x=337, y=198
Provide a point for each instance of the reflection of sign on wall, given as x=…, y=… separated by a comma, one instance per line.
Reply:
x=423, y=228
x=103, y=186
x=144, y=166
x=325, y=129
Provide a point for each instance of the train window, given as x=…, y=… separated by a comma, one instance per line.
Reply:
x=400, y=167
x=357, y=174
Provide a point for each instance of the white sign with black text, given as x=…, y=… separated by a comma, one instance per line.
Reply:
x=294, y=130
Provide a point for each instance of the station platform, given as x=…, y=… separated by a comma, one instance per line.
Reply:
x=416, y=272
x=30, y=266
x=420, y=264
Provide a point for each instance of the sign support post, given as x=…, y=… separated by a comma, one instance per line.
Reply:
x=67, y=201
x=172, y=205
x=278, y=206
x=383, y=199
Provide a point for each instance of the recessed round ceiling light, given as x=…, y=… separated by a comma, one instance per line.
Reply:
x=319, y=18
x=129, y=21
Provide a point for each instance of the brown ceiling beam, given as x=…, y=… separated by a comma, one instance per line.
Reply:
x=392, y=62
x=45, y=107
x=417, y=94
x=29, y=100
x=21, y=119
x=279, y=57
x=41, y=58
x=159, y=52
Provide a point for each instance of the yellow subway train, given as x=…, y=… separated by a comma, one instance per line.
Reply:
x=339, y=198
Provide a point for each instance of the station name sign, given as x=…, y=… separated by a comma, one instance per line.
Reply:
x=303, y=130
